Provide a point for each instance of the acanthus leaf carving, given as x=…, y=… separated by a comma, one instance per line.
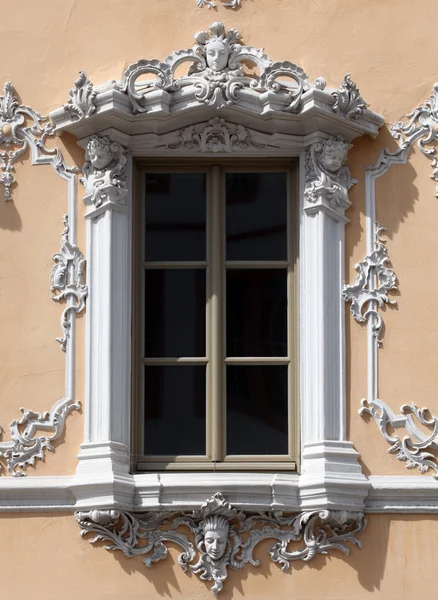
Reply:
x=374, y=280
x=348, y=101
x=81, y=103
x=327, y=179
x=26, y=446
x=216, y=136
x=22, y=127
x=410, y=448
x=217, y=72
x=422, y=128
x=217, y=529
x=67, y=281
x=105, y=172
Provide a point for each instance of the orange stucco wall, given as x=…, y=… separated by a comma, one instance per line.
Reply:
x=389, y=47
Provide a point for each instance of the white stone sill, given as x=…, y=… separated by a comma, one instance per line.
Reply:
x=388, y=494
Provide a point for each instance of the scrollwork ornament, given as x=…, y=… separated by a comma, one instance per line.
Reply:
x=374, y=280
x=413, y=447
x=67, y=281
x=348, y=101
x=22, y=127
x=327, y=178
x=210, y=4
x=422, y=128
x=224, y=537
x=105, y=172
x=216, y=73
x=81, y=103
x=217, y=137
x=26, y=446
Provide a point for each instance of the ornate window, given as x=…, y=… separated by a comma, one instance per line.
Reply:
x=216, y=286
x=217, y=110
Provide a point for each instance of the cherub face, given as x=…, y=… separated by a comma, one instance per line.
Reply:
x=217, y=55
x=332, y=159
x=100, y=157
x=216, y=543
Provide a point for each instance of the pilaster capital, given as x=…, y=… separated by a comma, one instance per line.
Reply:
x=105, y=174
x=327, y=179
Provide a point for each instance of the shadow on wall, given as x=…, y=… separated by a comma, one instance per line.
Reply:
x=335, y=575
x=395, y=191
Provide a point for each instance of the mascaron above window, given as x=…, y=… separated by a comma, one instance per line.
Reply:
x=216, y=79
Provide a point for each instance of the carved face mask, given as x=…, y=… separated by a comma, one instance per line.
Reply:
x=100, y=157
x=217, y=53
x=332, y=159
x=216, y=543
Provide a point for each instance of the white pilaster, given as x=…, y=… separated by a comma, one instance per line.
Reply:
x=330, y=472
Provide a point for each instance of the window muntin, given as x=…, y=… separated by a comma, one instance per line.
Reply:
x=234, y=405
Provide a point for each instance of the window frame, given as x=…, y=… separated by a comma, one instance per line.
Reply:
x=216, y=169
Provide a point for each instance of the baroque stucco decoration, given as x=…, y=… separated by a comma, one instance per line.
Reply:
x=370, y=291
x=327, y=179
x=210, y=4
x=104, y=172
x=224, y=537
x=217, y=136
x=68, y=281
x=22, y=128
x=216, y=77
x=374, y=281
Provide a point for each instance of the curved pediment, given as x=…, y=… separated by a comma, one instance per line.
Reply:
x=279, y=97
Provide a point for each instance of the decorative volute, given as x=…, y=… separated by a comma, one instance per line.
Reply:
x=279, y=98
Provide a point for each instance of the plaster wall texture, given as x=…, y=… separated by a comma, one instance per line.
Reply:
x=390, y=49
x=56, y=561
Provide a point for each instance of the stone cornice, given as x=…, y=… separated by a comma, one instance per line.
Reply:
x=138, y=106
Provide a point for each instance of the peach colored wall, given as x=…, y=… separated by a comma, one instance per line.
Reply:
x=44, y=557
x=390, y=49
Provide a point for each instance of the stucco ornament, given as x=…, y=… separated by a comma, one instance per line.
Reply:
x=217, y=73
x=410, y=448
x=21, y=127
x=374, y=280
x=422, y=128
x=348, y=101
x=224, y=537
x=217, y=136
x=28, y=445
x=209, y=4
x=67, y=279
x=327, y=178
x=81, y=103
x=104, y=172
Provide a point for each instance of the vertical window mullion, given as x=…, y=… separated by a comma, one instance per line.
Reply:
x=215, y=402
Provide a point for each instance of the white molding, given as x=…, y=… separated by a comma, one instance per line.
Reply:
x=375, y=279
x=214, y=84
x=250, y=491
x=27, y=444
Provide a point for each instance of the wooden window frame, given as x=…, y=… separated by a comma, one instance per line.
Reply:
x=216, y=265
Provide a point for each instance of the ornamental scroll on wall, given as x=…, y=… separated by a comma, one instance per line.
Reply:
x=218, y=537
x=376, y=279
x=215, y=78
x=21, y=129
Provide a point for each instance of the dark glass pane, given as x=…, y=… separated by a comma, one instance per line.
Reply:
x=256, y=312
x=256, y=216
x=175, y=216
x=257, y=413
x=174, y=410
x=174, y=312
